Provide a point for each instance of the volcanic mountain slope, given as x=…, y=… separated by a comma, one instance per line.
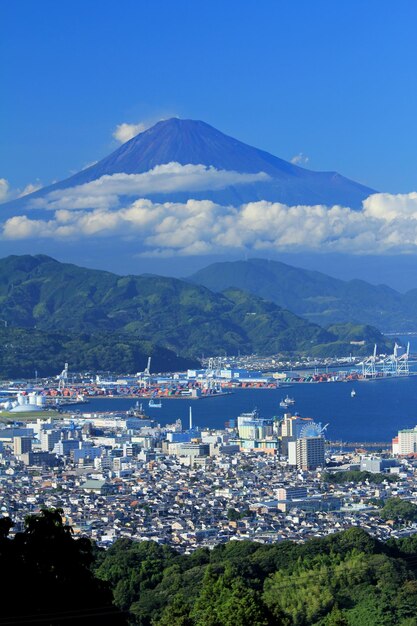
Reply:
x=195, y=142
x=37, y=291
x=316, y=296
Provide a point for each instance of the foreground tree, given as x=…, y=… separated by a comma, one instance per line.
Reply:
x=49, y=580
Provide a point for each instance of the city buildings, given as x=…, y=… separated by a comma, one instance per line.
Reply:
x=310, y=452
x=21, y=445
x=115, y=478
x=406, y=442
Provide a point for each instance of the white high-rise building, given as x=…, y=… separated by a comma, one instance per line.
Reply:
x=407, y=441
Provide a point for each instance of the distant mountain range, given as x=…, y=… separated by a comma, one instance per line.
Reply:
x=110, y=315
x=195, y=142
x=320, y=298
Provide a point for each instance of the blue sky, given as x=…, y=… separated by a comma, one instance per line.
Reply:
x=335, y=81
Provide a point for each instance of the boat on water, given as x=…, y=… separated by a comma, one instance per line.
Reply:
x=286, y=402
x=154, y=403
x=136, y=411
x=352, y=393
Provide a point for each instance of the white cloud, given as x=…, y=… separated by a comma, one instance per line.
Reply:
x=4, y=189
x=104, y=192
x=124, y=132
x=7, y=193
x=387, y=223
x=87, y=165
x=30, y=188
x=389, y=207
x=300, y=159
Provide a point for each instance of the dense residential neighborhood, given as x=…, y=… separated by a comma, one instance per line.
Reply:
x=125, y=476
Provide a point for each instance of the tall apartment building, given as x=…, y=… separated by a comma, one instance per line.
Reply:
x=290, y=430
x=310, y=452
x=407, y=441
x=21, y=445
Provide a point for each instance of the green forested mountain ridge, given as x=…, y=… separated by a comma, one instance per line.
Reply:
x=23, y=350
x=316, y=296
x=39, y=292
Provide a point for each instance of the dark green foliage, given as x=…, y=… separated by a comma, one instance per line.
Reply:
x=336, y=617
x=345, y=579
x=47, y=577
x=235, y=515
x=22, y=351
x=404, y=547
x=227, y=600
x=356, y=476
x=399, y=510
x=177, y=613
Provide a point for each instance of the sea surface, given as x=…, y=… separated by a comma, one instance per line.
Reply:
x=379, y=409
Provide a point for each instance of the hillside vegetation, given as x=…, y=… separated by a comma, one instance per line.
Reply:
x=108, y=317
x=345, y=579
x=24, y=351
x=314, y=295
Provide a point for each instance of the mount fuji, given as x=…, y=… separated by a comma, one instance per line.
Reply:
x=181, y=191
x=253, y=174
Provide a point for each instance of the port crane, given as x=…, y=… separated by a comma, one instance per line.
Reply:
x=395, y=364
x=402, y=361
x=63, y=378
x=212, y=373
x=146, y=374
x=147, y=370
x=368, y=365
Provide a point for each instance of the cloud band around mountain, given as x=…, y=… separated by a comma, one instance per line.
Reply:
x=387, y=223
x=106, y=191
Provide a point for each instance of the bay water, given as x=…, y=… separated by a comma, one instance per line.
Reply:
x=379, y=409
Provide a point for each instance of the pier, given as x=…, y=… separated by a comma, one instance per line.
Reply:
x=359, y=444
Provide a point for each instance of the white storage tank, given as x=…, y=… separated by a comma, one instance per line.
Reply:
x=32, y=398
x=21, y=399
x=40, y=400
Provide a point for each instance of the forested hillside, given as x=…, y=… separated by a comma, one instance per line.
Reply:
x=22, y=351
x=316, y=296
x=37, y=292
x=345, y=579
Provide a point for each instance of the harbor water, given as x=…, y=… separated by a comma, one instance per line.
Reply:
x=376, y=413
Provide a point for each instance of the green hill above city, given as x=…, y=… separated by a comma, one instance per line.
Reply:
x=320, y=298
x=73, y=311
